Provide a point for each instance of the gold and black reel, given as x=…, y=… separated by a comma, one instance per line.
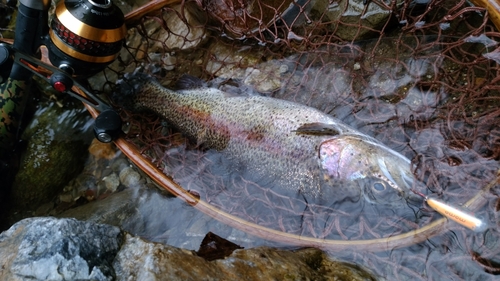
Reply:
x=82, y=39
x=86, y=35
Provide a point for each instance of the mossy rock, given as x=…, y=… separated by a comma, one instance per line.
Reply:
x=57, y=142
x=46, y=170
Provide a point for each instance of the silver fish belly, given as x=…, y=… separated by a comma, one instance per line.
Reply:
x=300, y=147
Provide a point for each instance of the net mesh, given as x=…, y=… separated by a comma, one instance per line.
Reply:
x=422, y=78
x=428, y=70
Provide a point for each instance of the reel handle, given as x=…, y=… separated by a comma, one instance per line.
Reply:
x=107, y=126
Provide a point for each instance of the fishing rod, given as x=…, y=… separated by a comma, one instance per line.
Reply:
x=83, y=38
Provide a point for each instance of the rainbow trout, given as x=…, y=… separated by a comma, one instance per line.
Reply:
x=300, y=147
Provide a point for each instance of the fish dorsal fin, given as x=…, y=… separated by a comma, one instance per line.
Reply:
x=318, y=129
x=188, y=82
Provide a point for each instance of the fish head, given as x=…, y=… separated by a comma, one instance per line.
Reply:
x=385, y=175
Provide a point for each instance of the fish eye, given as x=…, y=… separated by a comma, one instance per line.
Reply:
x=379, y=186
x=379, y=191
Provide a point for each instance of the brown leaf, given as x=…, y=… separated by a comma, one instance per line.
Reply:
x=214, y=247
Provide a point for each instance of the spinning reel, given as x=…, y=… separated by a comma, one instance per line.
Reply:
x=83, y=38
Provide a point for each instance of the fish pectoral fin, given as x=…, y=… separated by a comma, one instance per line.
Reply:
x=318, y=129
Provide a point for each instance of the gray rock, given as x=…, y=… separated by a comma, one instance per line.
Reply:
x=129, y=177
x=184, y=30
x=140, y=260
x=58, y=249
x=142, y=212
x=111, y=182
x=66, y=249
x=344, y=16
x=116, y=210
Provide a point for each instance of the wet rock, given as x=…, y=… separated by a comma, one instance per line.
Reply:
x=232, y=61
x=179, y=28
x=344, y=17
x=142, y=211
x=102, y=150
x=183, y=30
x=115, y=210
x=66, y=249
x=266, y=79
x=58, y=249
x=97, y=180
x=57, y=139
x=140, y=260
x=79, y=186
x=44, y=209
x=111, y=182
x=45, y=170
x=119, y=165
x=129, y=177
x=239, y=63
x=241, y=18
x=66, y=197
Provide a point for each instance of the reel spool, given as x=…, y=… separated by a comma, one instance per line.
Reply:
x=86, y=35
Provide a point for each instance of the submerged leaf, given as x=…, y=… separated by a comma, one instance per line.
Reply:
x=214, y=247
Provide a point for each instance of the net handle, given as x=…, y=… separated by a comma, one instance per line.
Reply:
x=493, y=8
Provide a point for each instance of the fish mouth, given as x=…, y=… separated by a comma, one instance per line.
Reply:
x=402, y=179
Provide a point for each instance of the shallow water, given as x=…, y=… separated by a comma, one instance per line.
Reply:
x=395, y=98
x=395, y=108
